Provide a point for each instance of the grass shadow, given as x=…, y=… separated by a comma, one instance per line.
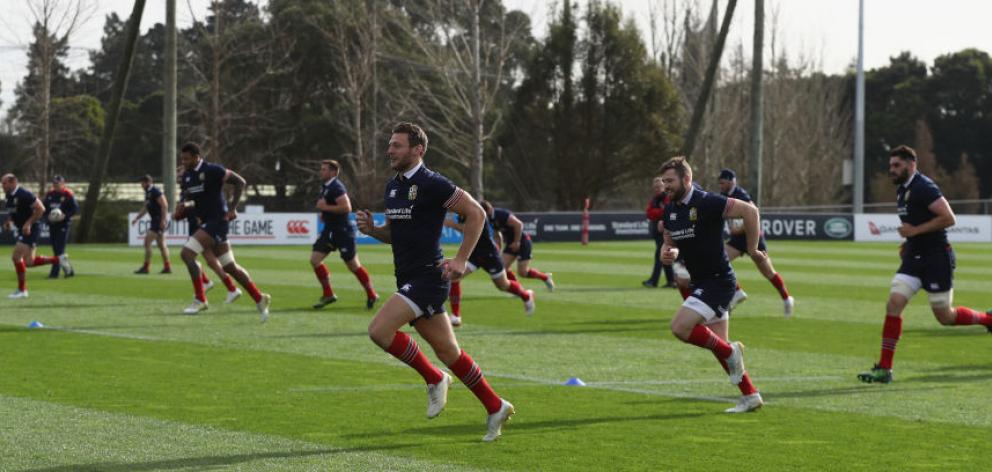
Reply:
x=209, y=461
x=548, y=425
x=841, y=391
x=321, y=335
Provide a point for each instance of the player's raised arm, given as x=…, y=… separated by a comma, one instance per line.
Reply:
x=669, y=250
x=37, y=209
x=518, y=231
x=475, y=218
x=752, y=222
x=341, y=206
x=239, y=183
x=943, y=218
x=164, y=205
x=367, y=225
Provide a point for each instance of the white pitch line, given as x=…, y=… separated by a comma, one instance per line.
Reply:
x=109, y=334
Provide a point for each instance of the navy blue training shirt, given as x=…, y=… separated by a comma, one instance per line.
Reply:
x=188, y=211
x=416, y=209
x=486, y=243
x=151, y=202
x=914, y=202
x=204, y=186
x=330, y=191
x=64, y=200
x=738, y=193
x=501, y=223
x=19, y=205
x=697, y=230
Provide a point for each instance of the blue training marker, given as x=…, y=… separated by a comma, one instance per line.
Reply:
x=574, y=382
x=35, y=324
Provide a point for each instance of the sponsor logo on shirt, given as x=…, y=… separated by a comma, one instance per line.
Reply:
x=685, y=233
x=399, y=213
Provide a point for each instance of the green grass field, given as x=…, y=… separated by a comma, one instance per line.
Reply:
x=119, y=380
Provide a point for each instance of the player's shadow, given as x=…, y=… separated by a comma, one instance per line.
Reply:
x=951, y=378
x=949, y=331
x=525, y=427
x=545, y=332
x=642, y=321
x=841, y=391
x=356, y=334
x=959, y=368
x=601, y=289
x=205, y=462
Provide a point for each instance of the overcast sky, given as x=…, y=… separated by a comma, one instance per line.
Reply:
x=825, y=30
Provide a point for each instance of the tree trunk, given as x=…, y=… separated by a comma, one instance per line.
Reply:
x=101, y=160
x=169, y=106
x=215, y=86
x=700, y=108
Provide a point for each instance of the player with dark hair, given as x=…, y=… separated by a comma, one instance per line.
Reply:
x=60, y=207
x=204, y=184
x=927, y=259
x=25, y=210
x=516, y=244
x=737, y=245
x=694, y=230
x=338, y=234
x=485, y=256
x=417, y=201
x=157, y=209
x=185, y=210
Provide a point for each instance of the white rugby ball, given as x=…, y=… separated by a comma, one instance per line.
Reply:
x=55, y=216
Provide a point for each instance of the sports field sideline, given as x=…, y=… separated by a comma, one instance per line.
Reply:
x=120, y=380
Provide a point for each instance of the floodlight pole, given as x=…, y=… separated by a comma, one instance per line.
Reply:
x=757, y=105
x=859, y=116
x=169, y=106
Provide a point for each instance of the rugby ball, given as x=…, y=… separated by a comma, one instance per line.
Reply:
x=56, y=216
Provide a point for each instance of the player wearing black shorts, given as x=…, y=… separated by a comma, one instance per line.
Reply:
x=157, y=208
x=417, y=201
x=694, y=222
x=927, y=259
x=485, y=256
x=737, y=245
x=60, y=198
x=337, y=234
x=24, y=212
x=185, y=210
x=204, y=185
x=516, y=244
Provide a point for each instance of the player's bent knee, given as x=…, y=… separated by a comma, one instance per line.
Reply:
x=941, y=301
x=193, y=245
x=226, y=259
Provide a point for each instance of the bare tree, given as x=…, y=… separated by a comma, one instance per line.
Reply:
x=463, y=67
x=55, y=21
x=667, y=27
x=235, y=55
x=352, y=31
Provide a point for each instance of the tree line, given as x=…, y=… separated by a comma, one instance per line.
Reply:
x=589, y=110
